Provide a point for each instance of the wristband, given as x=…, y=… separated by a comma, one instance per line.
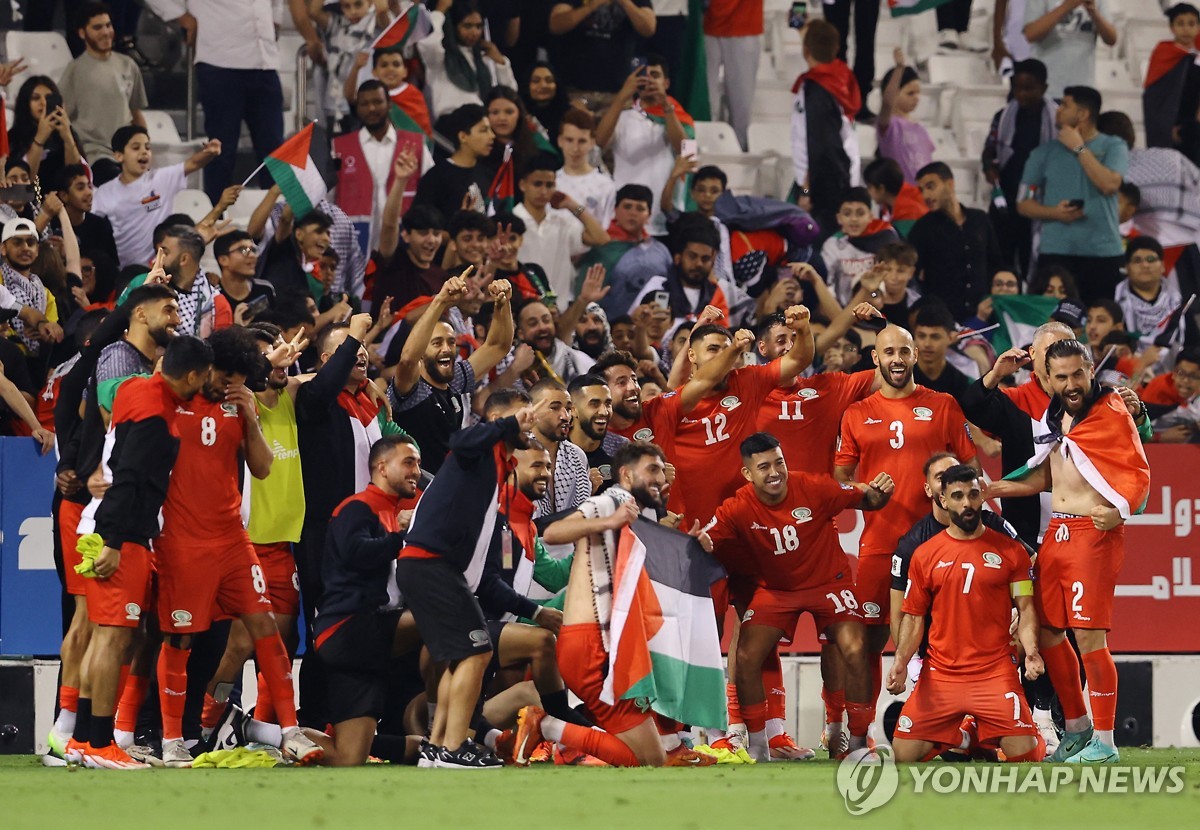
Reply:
x=539, y=610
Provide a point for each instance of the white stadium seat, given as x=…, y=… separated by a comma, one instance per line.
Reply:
x=243, y=208
x=44, y=53
x=742, y=169
x=772, y=105
x=957, y=70
x=716, y=137
x=195, y=203
x=770, y=137
x=868, y=141
x=1113, y=74
x=945, y=144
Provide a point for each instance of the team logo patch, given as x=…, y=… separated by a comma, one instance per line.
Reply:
x=904, y=724
x=923, y=413
x=182, y=618
x=746, y=617
x=605, y=471
x=644, y=434
x=730, y=402
x=230, y=410
x=802, y=514
x=133, y=611
x=479, y=637
x=991, y=560
x=871, y=610
x=808, y=394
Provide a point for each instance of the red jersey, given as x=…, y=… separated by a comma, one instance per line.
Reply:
x=897, y=436
x=790, y=546
x=203, y=501
x=967, y=587
x=805, y=417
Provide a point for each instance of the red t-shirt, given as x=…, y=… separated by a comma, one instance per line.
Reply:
x=1162, y=392
x=805, y=417
x=791, y=546
x=967, y=587
x=897, y=436
x=203, y=501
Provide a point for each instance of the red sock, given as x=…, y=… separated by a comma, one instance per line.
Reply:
x=68, y=698
x=875, y=665
x=130, y=702
x=731, y=700
x=772, y=678
x=1063, y=667
x=602, y=745
x=861, y=715
x=1102, y=688
x=211, y=714
x=835, y=704
x=264, y=710
x=124, y=676
x=172, y=689
x=754, y=715
x=276, y=668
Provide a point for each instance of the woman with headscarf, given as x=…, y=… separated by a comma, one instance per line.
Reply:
x=545, y=99
x=461, y=67
x=42, y=137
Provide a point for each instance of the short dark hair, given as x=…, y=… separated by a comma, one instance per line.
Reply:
x=1118, y=124
x=235, y=350
x=1189, y=355
x=693, y=228
x=458, y=121
x=934, y=314
x=149, y=293
x=224, y=243
x=635, y=193
x=160, y=230
x=185, y=354
x=87, y=324
x=1086, y=97
x=511, y=221
x=68, y=174
x=617, y=357
x=907, y=76
x=89, y=10
x=822, y=40
x=504, y=398
x=1032, y=67
x=189, y=240
x=287, y=313
x=935, y=458
x=885, y=173
x=580, y=119
x=316, y=217
x=655, y=59
x=620, y=320
x=633, y=452
x=758, y=442
x=959, y=474
x=265, y=332
x=1131, y=192
x=900, y=252
x=1109, y=305
x=470, y=220
x=125, y=134
x=1143, y=243
x=423, y=218
x=767, y=323
x=544, y=385
x=540, y=163
x=700, y=332
x=710, y=171
x=857, y=195
x=937, y=168
x=1067, y=348
x=371, y=85
x=376, y=54
x=384, y=446
x=1180, y=9
x=583, y=381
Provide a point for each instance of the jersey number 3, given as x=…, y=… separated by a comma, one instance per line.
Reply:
x=897, y=440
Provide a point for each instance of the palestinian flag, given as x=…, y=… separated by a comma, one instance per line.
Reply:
x=664, y=650
x=541, y=140
x=1166, y=332
x=658, y=115
x=1166, y=76
x=502, y=193
x=299, y=167
x=409, y=27
x=1019, y=315
x=900, y=8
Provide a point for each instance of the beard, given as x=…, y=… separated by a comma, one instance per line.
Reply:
x=436, y=372
x=534, y=490
x=161, y=335
x=967, y=521
x=897, y=384
x=592, y=432
x=646, y=498
x=628, y=410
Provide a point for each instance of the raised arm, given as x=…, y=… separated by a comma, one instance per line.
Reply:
x=258, y=219
x=577, y=526
x=891, y=90
x=389, y=232
x=593, y=290
x=202, y=157
x=408, y=369
x=608, y=124
x=800, y=356
x=1036, y=30
x=500, y=334
x=255, y=448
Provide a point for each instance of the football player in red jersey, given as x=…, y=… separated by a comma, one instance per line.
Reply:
x=779, y=531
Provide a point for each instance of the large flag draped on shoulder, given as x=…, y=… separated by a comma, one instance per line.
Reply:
x=408, y=27
x=1166, y=76
x=663, y=643
x=299, y=167
x=1019, y=315
x=899, y=8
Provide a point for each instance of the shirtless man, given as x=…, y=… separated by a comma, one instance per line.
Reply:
x=1089, y=455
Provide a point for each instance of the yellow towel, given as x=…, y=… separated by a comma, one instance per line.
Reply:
x=89, y=548
x=239, y=758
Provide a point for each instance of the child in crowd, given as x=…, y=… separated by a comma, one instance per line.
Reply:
x=850, y=253
x=1129, y=199
x=529, y=280
x=708, y=183
x=900, y=203
x=1172, y=96
x=133, y=200
x=579, y=178
x=387, y=66
x=900, y=137
x=345, y=32
x=898, y=262
x=632, y=256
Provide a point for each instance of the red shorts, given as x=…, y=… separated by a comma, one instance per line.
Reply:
x=198, y=582
x=122, y=599
x=935, y=709
x=1076, y=574
x=830, y=603
x=69, y=514
x=873, y=587
x=283, y=583
x=583, y=664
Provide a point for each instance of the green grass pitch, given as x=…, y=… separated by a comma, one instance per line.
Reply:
x=799, y=795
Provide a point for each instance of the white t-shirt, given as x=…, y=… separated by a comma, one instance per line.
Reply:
x=135, y=208
x=551, y=245
x=594, y=190
x=642, y=155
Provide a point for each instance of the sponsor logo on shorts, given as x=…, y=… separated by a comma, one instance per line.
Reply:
x=802, y=515
x=1082, y=618
x=991, y=560
x=296, y=580
x=479, y=637
x=808, y=394
x=730, y=402
x=922, y=413
x=182, y=618
x=871, y=610
x=133, y=611
x=904, y=724
x=644, y=434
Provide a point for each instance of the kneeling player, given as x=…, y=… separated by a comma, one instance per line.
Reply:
x=967, y=579
x=779, y=528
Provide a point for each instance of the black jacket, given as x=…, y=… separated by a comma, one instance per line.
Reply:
x=325, y=438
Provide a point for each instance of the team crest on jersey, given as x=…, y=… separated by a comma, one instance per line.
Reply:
x=871, y=610
x=802, y=515
x=749, y=613
x=730, y=402
x=991, y=560
x=230, y=410
x=808, y=394
x=133, y=611
x=182, y=618
x=904, y=724
x=644, y=434
x=605, y=471
x=923, y=413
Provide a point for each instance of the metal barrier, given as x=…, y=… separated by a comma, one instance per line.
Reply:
x=191, y=91
x=299, y=91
